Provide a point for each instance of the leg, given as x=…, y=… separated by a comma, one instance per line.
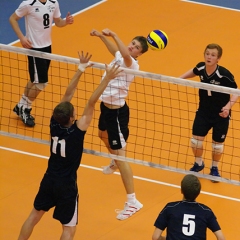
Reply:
x=31, y=91
x=30, y=223
x=197, y=149
x=124, y=167
x=68, y=232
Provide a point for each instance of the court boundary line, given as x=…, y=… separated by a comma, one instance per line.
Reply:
x=117, y=173
x=210, y=5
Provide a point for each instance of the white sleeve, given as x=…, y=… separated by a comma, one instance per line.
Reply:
x=57, y=12
x=22, y=9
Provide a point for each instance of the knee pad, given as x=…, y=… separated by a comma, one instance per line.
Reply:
x=41, y=86
x=196, y=143
x=217, y=148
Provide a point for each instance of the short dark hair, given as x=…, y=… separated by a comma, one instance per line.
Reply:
x=143, y=42
x=214, y=46
x=190, y=187
x=62, y=113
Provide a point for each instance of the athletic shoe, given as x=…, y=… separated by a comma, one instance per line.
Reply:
x=197, y=168
x=129, y=210
x=214, y=172
x=27, y=119
x=111, y=168
x=18, y=112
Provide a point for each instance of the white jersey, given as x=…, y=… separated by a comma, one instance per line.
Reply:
x=117, y=89
x=38, y=20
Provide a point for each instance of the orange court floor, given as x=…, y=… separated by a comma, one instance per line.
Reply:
x=190, y=27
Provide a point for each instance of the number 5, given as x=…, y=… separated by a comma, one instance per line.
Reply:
x=189, y=225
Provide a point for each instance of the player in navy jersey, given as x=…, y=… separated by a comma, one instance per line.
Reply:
x=114, y=117
x=39, y=16
x=214, y=109
x=58, y=187
x=187, y=219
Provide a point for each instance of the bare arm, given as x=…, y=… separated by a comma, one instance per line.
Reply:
x=67, y=97
x=59, y=22
x=14, y=23
x=120, y=45
x=157, y=234
x=111, y=46
x=188, y=74
x=228, y=106
x=84, y=122
x=219, y=235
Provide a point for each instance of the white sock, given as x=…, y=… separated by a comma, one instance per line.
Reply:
x=214, y=163
x=23, y=101
x=131, y=198
x=199, y=160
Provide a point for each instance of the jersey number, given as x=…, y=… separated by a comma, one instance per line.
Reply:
x=46, y=20
x=62, y=146
x=188, y=228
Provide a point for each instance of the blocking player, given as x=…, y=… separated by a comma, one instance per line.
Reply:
x=58, y=187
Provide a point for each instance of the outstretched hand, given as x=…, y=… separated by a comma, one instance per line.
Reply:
x=108, y=32
x=95, y=33
x=112, y=72
x=84, y=61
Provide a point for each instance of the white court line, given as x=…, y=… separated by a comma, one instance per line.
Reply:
x=211, y=5
x=136, y=177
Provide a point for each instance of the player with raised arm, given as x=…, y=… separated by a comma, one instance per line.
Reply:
x=114, y=117
x=58, y=187
x=214, y=111
x=187, y=219
x=39, y=16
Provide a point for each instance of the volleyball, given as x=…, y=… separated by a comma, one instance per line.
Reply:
x=157, y=40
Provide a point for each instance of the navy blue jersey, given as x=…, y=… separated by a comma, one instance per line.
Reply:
x=186, y=220
x=209, y=101
x=66, y=151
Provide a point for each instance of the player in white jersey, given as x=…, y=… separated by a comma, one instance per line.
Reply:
x=39, y=16
x=114, y=117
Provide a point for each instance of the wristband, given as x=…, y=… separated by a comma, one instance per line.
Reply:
x=82, y=66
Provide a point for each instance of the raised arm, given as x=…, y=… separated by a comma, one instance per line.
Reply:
x=111, y=46
x=120, y=45
x=84, y=59
x=84, y=122
x=188, y=74
x=14, y=23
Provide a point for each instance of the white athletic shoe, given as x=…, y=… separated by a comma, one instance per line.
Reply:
x=129, y=210
x=111, y=168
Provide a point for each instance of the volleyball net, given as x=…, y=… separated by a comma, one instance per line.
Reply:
x=162, y=110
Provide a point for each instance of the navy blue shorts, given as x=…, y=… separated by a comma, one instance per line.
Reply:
x=203, y=123
x=38, y=67
x=59, y=194
x=115, y=121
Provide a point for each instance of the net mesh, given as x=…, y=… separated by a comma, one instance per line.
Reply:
x=162, y=111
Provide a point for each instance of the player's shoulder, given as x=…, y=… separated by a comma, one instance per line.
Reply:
x=201, y=65
x=204, y=207
x=224, y=71
x=173, y=204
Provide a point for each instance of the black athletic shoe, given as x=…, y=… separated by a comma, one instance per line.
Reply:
x=17, y=110
x=27, y=119
x=197, y=168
